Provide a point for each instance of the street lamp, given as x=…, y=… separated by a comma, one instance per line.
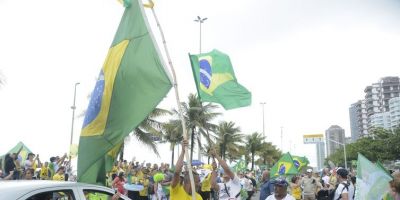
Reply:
x=344, y=148
x=263, y=118
x=73, y=107
x=200, y=20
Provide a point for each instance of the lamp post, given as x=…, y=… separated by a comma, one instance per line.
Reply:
x=200, y=20
x=73, y=107
x=344, y=149
x=263, y=118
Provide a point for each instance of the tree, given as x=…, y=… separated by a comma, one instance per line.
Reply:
x=228, y=138
x=172, y=133
x=198, y=116
x=381, y=144
x=148, y=131
x=269, y=154
x=254, y=143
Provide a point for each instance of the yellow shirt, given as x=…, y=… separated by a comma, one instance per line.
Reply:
x=206, y=184
x=44, y=173
x=143, y=192
x=178, y=193
x=58, y=177
x=296, y=192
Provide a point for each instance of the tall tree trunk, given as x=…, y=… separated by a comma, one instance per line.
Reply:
x=208, y=160
x=192, y=145
x=173, y=151
x=252, y=161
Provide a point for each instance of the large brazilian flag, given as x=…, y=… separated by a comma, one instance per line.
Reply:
x=131, y=83
x=216, y=81
x=284, y=167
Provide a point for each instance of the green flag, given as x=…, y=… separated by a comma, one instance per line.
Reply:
x=284, y=166
x=300, y=162
x=131, y=83
x=216, y=81
x=240, y=166
x=372, y=182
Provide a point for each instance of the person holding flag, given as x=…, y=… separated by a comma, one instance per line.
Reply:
x=183, y=191
x=230, y=188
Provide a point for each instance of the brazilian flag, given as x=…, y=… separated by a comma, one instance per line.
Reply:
x=300, y=162
x=131, y=83
x=216, y=82
x=284, y=167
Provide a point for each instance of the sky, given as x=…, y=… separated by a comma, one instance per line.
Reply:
x=308, y=60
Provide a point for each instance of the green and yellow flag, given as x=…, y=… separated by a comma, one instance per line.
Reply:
x=131, y=83
x=216, y=82
x=300, y=162
x=284, y=166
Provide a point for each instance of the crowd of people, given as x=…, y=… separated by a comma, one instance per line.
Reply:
x=14, y=168
x=211, y=181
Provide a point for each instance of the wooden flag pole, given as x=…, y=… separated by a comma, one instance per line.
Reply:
x=175, y=84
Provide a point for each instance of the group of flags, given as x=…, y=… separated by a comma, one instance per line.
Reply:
x=132, y=82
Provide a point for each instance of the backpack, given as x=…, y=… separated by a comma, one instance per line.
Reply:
x=333, y=191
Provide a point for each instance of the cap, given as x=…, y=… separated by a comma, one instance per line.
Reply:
x=281, y=182
x=342, y=172
x=309, y=170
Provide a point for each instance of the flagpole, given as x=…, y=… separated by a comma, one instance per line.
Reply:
x=175, y=84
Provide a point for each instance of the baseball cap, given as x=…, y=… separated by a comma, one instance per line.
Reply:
x=281, y=182
x=342, y=172
x=309, y=170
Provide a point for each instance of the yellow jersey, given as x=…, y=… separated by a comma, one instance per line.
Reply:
x=178, y=193
x=206, y=184
x=58, y=177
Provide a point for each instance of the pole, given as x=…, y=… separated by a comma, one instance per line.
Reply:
x=73, y=107
x=344, y=149
x=175, y=84
x=200, y=20
x=263, y=118
x=345, y=158
x=282, y=138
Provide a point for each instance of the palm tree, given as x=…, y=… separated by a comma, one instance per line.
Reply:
x=198, y=116
x=254, y=143
x=269, y=154
x=228, y=138
x=148, y=131
x=172, y=133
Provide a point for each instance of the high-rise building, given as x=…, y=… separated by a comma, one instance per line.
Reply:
x=335, y=138
x=394, y=107
x=358, y=120
x=374, y=110
x=381, y=120
x=320, y=154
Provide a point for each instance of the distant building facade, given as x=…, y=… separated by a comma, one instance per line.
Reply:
x=320, y=154
x=375, y=110
x=358, y=120
x=334, y=135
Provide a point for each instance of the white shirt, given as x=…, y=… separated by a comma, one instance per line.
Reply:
x=246, y=184
x=326, y=179
x=28, y=164
x=232, y=187
x=341, y=190
x=351, y=191
x=287, y=197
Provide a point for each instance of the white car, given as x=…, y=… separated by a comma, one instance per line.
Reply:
x=54, y=190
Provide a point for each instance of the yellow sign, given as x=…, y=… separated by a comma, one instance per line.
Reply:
x=314, y=136
x=312, y=139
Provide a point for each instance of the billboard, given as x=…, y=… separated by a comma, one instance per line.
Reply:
x=313, y=138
